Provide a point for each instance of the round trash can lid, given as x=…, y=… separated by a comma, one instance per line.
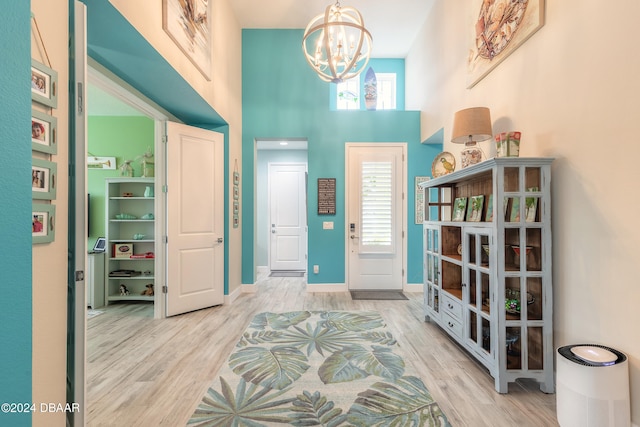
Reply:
x=594, y=354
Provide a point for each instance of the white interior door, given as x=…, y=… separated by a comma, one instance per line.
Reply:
x=195, y=218
x=287, y=216
x=375, y=216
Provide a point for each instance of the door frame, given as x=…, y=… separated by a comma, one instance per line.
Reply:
x=103, y=78
x=303, y=208
x=374, y=145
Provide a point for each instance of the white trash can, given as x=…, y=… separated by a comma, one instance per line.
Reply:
x=592, y=387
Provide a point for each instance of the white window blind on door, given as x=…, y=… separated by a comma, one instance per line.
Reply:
x=376, y=234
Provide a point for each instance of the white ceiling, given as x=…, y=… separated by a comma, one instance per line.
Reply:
x=393, y=24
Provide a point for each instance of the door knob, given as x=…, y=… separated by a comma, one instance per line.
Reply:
x=353, y=236
x=220, y=240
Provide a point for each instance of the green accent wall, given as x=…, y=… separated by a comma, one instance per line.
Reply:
x=282, y=97
x=15, y=226
x=124, y=138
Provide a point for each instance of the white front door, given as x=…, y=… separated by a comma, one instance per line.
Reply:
x=375, y=215
x=287, y=216
x=195, y=218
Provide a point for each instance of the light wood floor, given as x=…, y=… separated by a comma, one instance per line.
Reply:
x=147, y=372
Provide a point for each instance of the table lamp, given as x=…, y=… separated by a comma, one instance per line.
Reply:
x=470, y=126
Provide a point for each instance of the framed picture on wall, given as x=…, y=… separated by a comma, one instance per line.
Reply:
x=43, y=218
x=43, y=132
x=44, y=83
x=419, y=202
x=188, y=24
x=498, y=28
x=43, y=179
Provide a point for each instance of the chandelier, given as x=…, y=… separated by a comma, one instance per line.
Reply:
x=336, y=44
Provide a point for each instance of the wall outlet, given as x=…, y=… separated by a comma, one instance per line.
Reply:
x=316, y=269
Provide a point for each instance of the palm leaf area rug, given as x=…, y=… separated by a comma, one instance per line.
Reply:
x=317, y=368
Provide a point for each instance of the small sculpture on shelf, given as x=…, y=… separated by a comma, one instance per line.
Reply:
x=148, y=291
x=146, y=163
x=123, y=290
x=126, y=169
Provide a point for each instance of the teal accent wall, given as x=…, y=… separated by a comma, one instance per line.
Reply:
x=15, y=199
x=124, y=138
x=379, y=66
x=282, y=97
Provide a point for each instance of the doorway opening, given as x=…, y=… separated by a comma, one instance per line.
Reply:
x=281, y=207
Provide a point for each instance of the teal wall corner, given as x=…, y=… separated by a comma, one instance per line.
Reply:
x=15, y=193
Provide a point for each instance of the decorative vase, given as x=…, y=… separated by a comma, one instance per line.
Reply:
x=148, y=192
x=508, y=144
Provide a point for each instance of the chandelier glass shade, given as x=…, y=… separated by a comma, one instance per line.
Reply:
x=336, y=44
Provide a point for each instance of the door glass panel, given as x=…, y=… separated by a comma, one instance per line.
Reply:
x=471, y=246
x=532, y=178
x=534, y=249
x=472, y=288
x=486, y=335
x=377, y=204
x=514, y=348
x=511, y=259
x=534, y=344
x=512, y=300
x=485, y=260
x=534, y=306
x=473, y=326
x=511, y=179
x=486, y=295
x=436, y=300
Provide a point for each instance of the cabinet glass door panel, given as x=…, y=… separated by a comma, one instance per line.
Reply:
x=512, y=245
x=511, y=179
x=532, y=178
x=514, y=348
x=512, y=298
x=534, y=249
x=485, y=294
x=486, y=335
x=535, y=297
x=535, y=348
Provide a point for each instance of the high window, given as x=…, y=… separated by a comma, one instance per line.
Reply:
x=386, y=91
x=348, y=94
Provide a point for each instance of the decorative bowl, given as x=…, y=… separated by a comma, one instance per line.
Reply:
x=516, y=249
x=138, y=236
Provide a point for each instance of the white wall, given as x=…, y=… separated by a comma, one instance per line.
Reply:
x=573, y=91
x=223, y=92
x=50, y=260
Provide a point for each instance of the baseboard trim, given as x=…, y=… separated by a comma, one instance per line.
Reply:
x=327, y=287
x=248, y=288
x=229, y=299
x=413, y=287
